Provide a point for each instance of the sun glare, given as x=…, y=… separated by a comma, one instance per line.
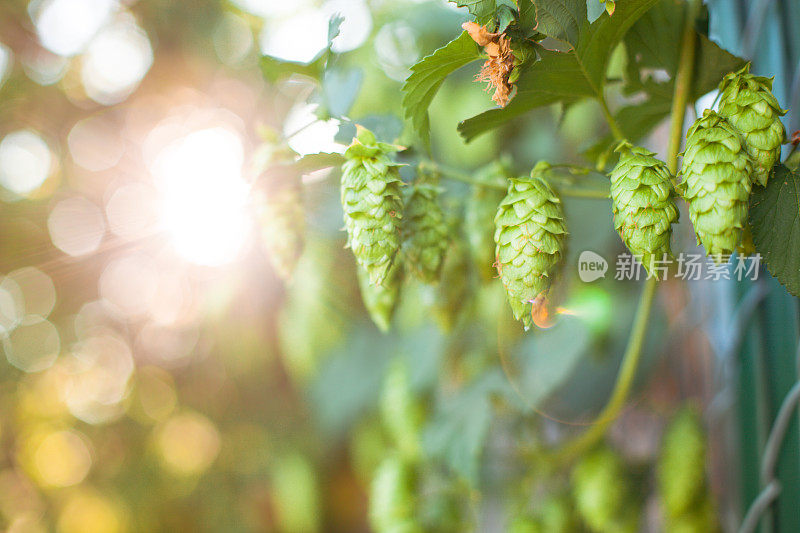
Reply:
x=203, y=195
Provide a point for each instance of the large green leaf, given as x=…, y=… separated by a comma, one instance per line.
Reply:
x=560, y=19
x=775, y=222
x=653, y=43
x=429, y=74
x=564, y=76
x=482, y=10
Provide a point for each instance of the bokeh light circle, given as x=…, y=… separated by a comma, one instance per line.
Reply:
x=25, y=161
x=37, y=289
x=187, y=443
x=62, y=458
x=32, y=347
x=116, y=61
x=65, y=27
x=76, y=226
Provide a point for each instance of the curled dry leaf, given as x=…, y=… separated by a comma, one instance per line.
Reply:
x=498, y=67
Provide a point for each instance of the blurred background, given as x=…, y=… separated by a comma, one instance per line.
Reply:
x=159, y=375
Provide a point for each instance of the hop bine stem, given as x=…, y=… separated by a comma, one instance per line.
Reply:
x=633, y=352
x=572, y=192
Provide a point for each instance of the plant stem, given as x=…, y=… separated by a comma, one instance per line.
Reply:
x=625, y=378
x=683, y=86
x=581, y=193
x=573, y=192
x=633, y=352
x=616, y=131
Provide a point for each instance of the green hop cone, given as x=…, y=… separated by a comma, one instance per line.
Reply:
x=425, y=230
x=526, y=524
x=644, y=209
x=602, y=492
x=530, y=236
x=682, y=476
x=747, y=102
x=392, y=502
x=282, y=219
x=380, y=299
x=716, y=184
x=317, y=313
x=453, y=292
x=479, y=212
x=372, y=203
x=702, y=518
x=401, y=413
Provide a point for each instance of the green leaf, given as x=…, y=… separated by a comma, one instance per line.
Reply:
x=305, y=165
x=274, y=69
x=550, y=357
x=556, y=77
x=482, y=10
x=564, y=76
x=653, y=43
x=457, y=434
x=429, y=74
x=526, y=21
x=339, y=90
x=775, y=222
x=358, y=365
x=560, y=19
x=712, y=63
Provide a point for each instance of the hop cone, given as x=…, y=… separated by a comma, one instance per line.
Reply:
x=318, y=311
x=392, y=502
x=525, y=524
x=372, y=204
x=401, y=412
x=453, y=291
x=603, y=496
x=747, y=102
x=530, y=235
x=644, y=210
x=425, y=230
x=682, y=475
x=716, y=184
x=283, y=221
x=381, y=299
x=479, y=214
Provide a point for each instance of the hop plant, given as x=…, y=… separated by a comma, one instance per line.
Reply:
x=372, y=203
x=401, y=412
x=602, y=492
x=716, y=184
x=380, y=299
x=747, y=102
x=392, y=502
x=682, y=476
x=529, y=234
x=644, y=209
x=282, y=219
x=425, y=228
x=453, y=291
x=479, y=212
